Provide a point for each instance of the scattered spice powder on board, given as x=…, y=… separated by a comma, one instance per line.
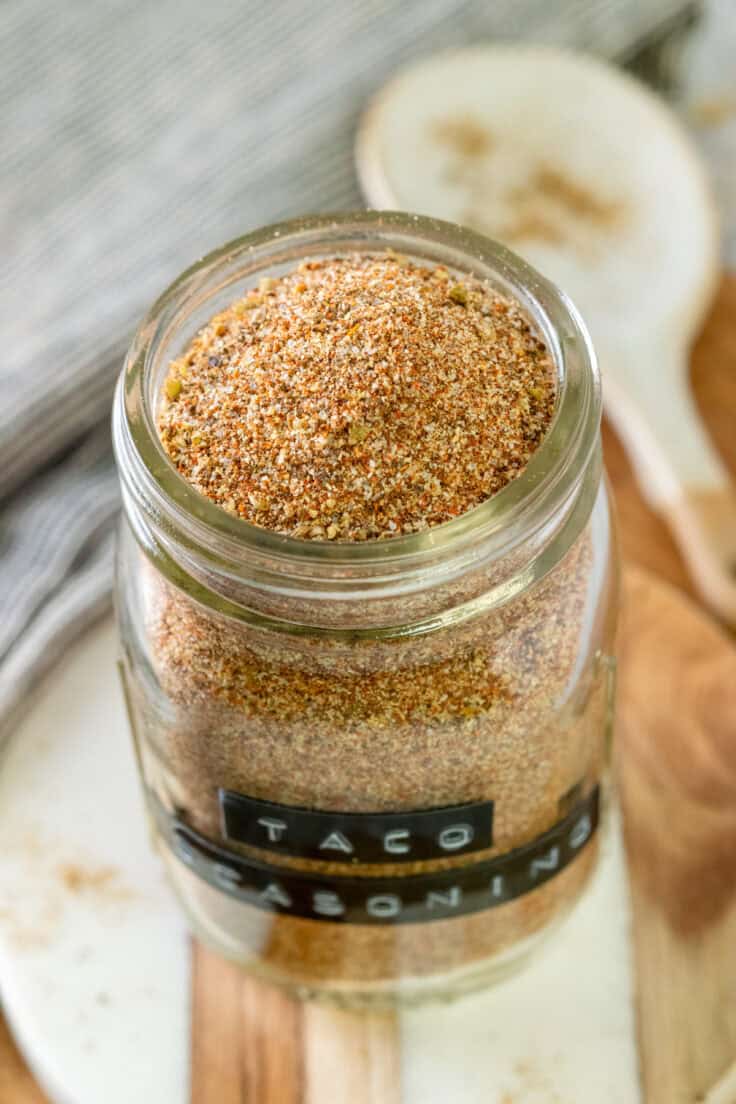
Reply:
x=80, y=878
x=102, y=882
x=358, y=398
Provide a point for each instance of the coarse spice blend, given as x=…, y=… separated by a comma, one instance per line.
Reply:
x=366, y=601
x=357, y=398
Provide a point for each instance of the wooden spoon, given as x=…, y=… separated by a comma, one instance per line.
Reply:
x=677, y=772
x=587, y=174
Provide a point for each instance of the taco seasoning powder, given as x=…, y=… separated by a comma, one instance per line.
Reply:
x=372, y=813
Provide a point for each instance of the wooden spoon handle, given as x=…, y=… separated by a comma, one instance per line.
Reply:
x=678, y=470
x=704, y=524
x=676, y=760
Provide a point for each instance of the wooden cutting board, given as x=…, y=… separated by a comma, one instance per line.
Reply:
x=677, y=767
x=676, y=759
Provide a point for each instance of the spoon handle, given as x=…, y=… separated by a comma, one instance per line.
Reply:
x=648, y=400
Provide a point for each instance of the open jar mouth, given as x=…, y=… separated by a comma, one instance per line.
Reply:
x=171, y=505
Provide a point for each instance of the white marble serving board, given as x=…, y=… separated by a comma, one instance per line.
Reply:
x=94, y=967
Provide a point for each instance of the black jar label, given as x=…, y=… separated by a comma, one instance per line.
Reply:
x=357, y=837
x=416, y=898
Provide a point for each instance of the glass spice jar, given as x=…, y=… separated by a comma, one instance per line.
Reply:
x=373, y=769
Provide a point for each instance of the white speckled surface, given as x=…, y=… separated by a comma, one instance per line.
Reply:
x=94, y=962
x=93, y=953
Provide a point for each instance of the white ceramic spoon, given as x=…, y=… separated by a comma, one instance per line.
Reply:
x=588, y=175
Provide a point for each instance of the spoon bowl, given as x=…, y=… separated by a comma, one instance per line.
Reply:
x=587, y=174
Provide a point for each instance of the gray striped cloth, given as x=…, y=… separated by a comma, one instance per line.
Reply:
x=136, y=136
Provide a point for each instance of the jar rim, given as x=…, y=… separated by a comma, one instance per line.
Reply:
x=526, y=501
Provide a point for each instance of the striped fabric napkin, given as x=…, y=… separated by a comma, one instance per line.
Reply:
x=137, y=136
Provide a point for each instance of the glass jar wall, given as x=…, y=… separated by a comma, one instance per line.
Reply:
x=373, y=769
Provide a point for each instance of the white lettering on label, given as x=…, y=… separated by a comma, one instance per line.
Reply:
x=186, y=854
x=455, y=836
x=383, y=906
x=274, y=828
x=550, y=861
x=225, y=876
x=336, y=841
x=581, y=832
x=450, y=898
x=397, y=841
x=327, y=903
x=276, y=895
x=498, y=888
